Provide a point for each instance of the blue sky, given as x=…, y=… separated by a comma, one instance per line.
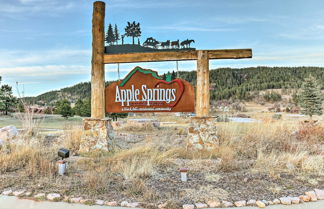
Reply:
x=46, y=44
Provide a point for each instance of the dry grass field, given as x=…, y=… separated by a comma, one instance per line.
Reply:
x=266, y=159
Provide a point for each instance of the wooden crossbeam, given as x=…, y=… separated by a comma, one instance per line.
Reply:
x=176, y=55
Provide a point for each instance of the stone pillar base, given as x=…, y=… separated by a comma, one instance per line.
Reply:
x=97, y=134
x=202, y=133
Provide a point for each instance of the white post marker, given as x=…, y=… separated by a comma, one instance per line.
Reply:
x=61, y=167
x=183, y=173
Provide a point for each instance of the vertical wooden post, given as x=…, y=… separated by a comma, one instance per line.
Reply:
x=98, y=68
x=202, y=91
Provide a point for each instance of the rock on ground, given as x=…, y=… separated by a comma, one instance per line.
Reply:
x=111, y=203
x=241, y=203
x=295, y=200
x=188, y=206
x=75, y=199
x=8, y=132
x=213, y=203
x=7, y=192
x=99, y=202
x=133, y=204
x=285, y=200
x=260, y=204
x=319, y=194
x=228, y=204
x=276, y=201
x=312, y=195
x=304, y=198
x=19, y=193
x=201, y=205
x=251, y=202
x=124, y=204
x=265, y=202
x=54, y=197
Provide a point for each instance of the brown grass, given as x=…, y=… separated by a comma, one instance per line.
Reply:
x=32, y=161
x=277, y=145
x=271, y=147
x=72, y=138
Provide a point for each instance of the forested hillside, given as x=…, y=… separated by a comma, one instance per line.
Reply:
x=225, y=82
x=73, y=93
x=238, y=82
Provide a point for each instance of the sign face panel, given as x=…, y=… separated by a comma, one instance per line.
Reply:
x=143, y=90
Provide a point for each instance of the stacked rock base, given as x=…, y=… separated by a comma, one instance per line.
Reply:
x=98, y=134
x=202, y=133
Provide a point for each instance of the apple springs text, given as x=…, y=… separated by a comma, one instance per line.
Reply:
x=147, y=95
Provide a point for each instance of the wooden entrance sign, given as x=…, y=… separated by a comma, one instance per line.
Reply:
x=99, y=58
x=143, y=90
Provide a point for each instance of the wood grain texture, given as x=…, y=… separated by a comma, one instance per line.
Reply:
x=98, y=68
x=179, y=55
x=202, y=89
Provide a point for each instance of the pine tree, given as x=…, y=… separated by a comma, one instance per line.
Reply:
x=311, y=100
x=7, y=100
x=173, y=75
x=110, y=36
x=116, y=34
x=164, y=76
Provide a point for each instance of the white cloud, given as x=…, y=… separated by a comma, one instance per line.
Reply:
x=146, y=4
x=14, y=58
x=190, y=28
x=304, y=33
x=319, y=27
x=28, y=7
x=45, y=71
x=31, y=1
x=239, y=20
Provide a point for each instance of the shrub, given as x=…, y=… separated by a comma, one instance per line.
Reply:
x=64, y=108
x=222, y=118
x=277, y=116
x=272, y=96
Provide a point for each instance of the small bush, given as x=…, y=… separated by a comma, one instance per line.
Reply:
x=272, y=97
x=222, y=118
x=277, y=116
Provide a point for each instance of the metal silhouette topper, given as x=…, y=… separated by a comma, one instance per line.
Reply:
x=133, y=30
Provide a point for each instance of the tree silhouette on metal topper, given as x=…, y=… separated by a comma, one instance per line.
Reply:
x=110, y=36
x=116, y=34
x=133, y=30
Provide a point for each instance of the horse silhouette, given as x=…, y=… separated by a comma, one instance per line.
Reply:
x=186, y=43
x=175, y=44
x=165, y=44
